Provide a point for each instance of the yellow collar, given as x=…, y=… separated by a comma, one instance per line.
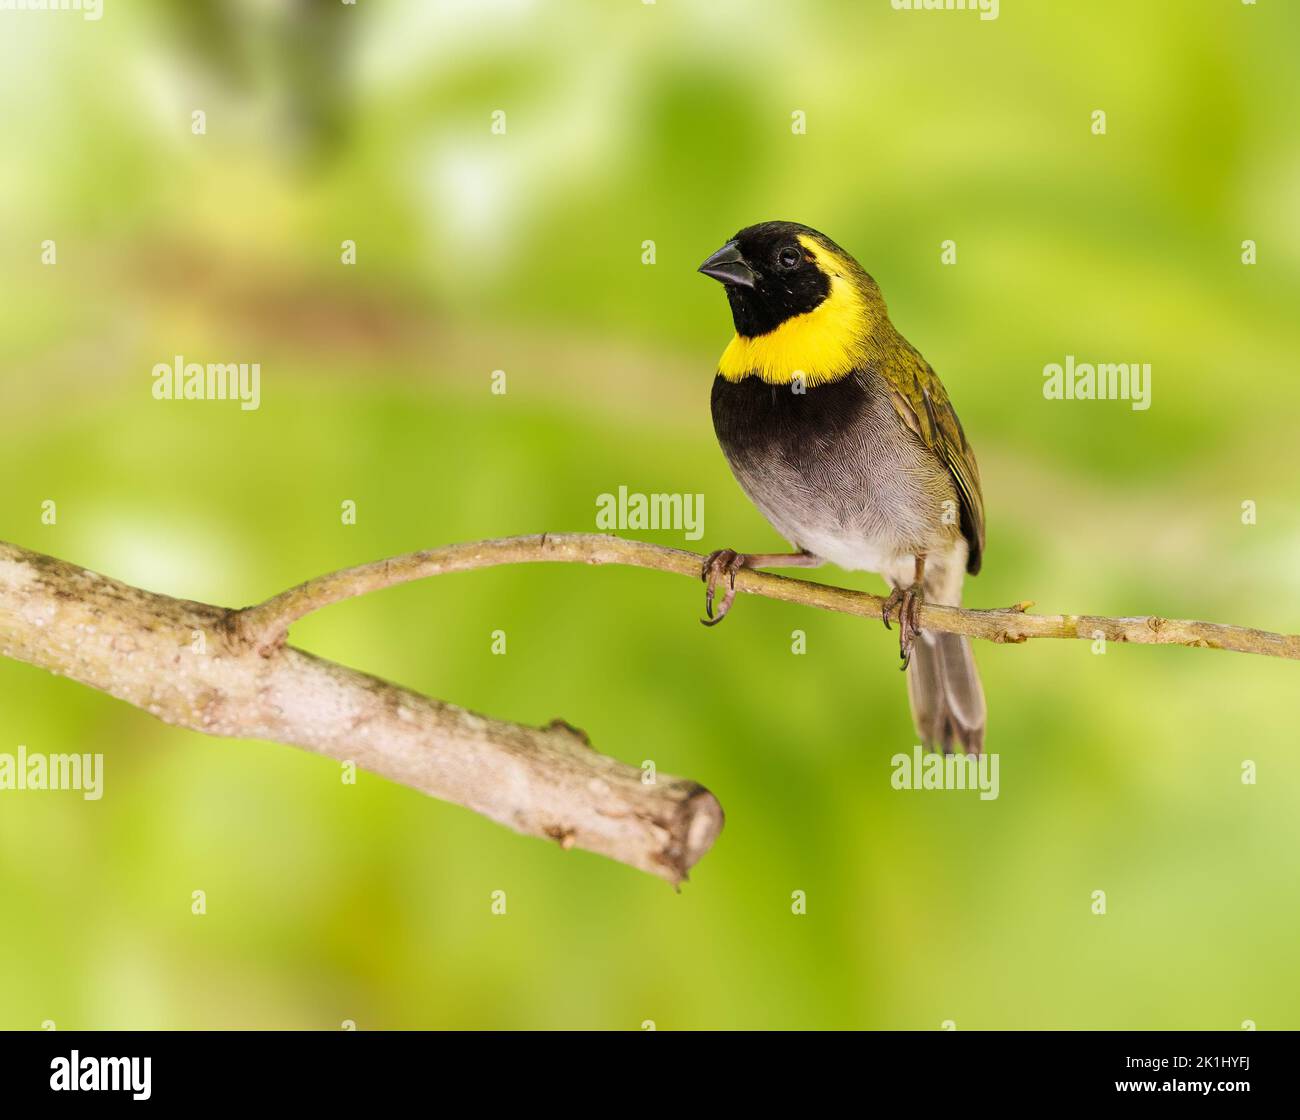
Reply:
x=821, y=345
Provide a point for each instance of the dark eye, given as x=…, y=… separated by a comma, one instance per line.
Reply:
x=789, y=257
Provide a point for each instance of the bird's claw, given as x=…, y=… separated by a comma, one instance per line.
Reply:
x=724, y=562
x=907, y=602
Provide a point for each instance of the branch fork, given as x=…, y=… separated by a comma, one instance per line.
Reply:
x=547, y=782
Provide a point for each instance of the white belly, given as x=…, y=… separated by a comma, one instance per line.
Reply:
x=851, y=554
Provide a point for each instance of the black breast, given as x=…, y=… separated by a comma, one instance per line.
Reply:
x=754, y=418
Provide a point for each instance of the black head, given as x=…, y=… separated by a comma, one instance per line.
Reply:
x=770, y=274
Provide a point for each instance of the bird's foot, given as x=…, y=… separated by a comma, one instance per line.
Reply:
x=722, y=564
x=907, y=601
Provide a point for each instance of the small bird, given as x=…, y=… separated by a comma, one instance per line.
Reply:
x=844, y=438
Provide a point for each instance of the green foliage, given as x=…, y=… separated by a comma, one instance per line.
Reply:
x=666, y=122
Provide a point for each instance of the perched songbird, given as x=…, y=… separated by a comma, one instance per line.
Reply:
x=844, y=438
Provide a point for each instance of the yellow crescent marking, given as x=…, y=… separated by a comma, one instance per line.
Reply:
x=822, y=345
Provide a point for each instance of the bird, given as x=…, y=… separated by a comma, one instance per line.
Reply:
x=844, y=438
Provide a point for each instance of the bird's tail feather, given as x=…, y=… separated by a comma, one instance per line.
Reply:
x=947, y=697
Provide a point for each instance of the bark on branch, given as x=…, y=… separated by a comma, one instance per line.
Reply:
x=188, y=664
x=242, y=680
x=267, y=624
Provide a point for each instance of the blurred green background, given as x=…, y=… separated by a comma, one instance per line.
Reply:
x=522, y=252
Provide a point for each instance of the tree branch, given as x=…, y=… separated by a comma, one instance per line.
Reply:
x=267, y=624
x=229, y=673
x=187, y=664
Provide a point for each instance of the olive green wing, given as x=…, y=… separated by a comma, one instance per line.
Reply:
x=923, y=405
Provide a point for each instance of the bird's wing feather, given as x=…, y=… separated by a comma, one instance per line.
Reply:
x=922, y=403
